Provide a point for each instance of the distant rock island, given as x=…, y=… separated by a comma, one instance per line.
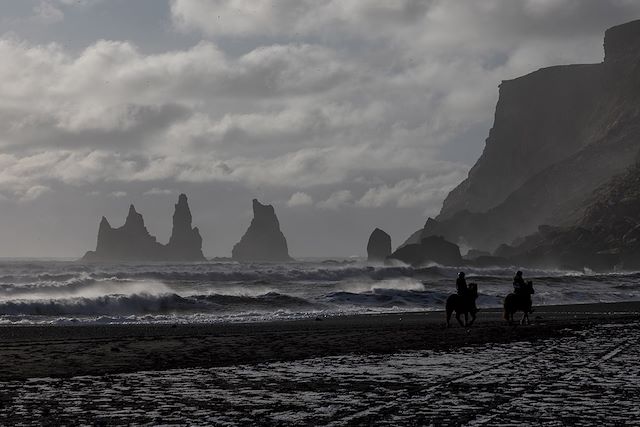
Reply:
x=379, y=246
x=431, y=249
x=185, y=243
x=554, y=185
x=132, y=241
x=263, y=240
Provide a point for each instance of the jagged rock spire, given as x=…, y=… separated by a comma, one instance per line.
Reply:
x=186, y=242
x=132, y=241
x=263, y=240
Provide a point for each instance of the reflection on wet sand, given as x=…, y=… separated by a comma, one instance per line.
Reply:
x=588, y=377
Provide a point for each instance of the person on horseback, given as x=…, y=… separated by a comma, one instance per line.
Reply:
x=519, y=285
x=463, y=302
x=522, y=289
x=463, y=290
x=461, y=285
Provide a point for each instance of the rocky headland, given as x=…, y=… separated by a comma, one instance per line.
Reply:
x=555, y=182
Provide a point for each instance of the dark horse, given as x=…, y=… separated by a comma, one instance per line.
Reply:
x=514, y=302
x=463, y=305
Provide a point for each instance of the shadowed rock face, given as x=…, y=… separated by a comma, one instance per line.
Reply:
x=559, y=133
x=607, y=236
x=185, y=243
x=430, y=249
x=132, y=241
x=379, y=246
x=263, y=240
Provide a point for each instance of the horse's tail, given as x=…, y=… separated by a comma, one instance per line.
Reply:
x=450, y=304
x=506, y=307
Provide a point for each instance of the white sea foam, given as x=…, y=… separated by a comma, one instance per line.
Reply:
x=53, y=292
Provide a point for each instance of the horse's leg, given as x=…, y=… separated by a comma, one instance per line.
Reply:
x=449, y=312
x=458, y=317
x=466, y=318
x=473, y=317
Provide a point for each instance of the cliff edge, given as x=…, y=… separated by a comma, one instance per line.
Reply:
x=559, y=133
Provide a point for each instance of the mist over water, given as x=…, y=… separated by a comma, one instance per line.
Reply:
x=54, y=292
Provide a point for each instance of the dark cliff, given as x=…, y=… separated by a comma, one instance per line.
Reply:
x=132, y=242
x=559, y=134
x=263, y=240
x=606, y=237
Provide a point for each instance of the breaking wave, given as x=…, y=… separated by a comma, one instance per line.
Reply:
x=49, y=292
x=142, y=304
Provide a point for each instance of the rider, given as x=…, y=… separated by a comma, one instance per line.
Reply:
x=520, y=289
x=519, y=285
x=461, y=285
x=463, y=291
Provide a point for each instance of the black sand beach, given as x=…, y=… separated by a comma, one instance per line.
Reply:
x=67, y=351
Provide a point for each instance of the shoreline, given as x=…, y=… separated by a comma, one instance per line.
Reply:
x=31, y=351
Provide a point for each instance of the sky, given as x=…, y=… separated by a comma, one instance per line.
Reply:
x=346, y=115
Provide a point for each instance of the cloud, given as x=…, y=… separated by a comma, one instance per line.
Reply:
x=46, y=12
x=426, y=191
x=293, y=17
x=158, y=192
x=336, y=200
x=313, y=99
x=118, y=194
x=34, y=192
x=83, y=3
x=299, y=199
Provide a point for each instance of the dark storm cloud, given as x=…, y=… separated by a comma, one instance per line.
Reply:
x=341, y=107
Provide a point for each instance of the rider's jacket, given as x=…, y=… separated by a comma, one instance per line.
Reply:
x=461, y=286
x=519, y=285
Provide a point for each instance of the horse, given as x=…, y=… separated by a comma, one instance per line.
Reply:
x=463, y=305
x=514, y=302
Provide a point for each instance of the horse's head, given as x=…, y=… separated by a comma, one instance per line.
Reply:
x=530, y=287
x=473, y=290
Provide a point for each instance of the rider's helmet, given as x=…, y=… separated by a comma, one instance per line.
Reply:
x=461, y=275
x=519, y=273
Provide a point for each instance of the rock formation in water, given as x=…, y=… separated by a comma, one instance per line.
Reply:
x=263, y=240
x=431, y=249
x=559, y=133
x=379, y=246
x=185, y=243
x=474, y=254
x=132, y=242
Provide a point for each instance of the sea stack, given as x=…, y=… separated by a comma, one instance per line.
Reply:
x=263, y=240
x=185, y=243
x=430, y=249
x=379, y=246
x=132, y=242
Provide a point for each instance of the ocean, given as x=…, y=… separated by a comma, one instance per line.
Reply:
x=69, y=292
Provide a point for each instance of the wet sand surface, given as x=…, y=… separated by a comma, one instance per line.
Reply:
x=66, y=351
x=575, y=365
